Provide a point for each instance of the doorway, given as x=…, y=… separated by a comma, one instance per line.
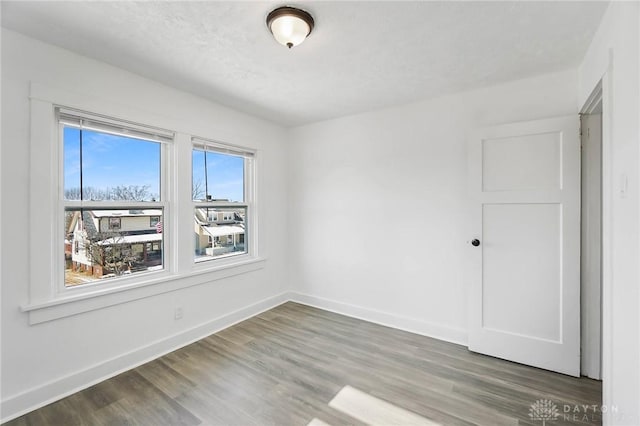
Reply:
x=591, y=239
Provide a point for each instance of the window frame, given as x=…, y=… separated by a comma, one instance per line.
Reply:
x=46, y=300
x=248, y=203
x=110, y=125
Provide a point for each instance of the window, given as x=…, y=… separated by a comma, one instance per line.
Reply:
x=222, y=195
x=89, y=168
x=114, y=223
x=112, y=197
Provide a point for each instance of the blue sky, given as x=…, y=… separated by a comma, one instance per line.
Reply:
x=225, y=174
x=109, y=161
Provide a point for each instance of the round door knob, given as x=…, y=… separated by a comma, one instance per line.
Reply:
x=475, y=242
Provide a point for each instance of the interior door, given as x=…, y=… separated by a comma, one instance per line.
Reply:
x=524, y=181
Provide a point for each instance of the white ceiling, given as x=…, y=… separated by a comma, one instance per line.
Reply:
x=361, y=56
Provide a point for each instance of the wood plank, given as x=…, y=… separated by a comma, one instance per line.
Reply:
x=285, y=366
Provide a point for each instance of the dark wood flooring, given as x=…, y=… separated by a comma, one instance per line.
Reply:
x=284, y=366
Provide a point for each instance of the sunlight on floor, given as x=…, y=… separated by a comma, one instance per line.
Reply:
x=371, y=410
x=317, y=422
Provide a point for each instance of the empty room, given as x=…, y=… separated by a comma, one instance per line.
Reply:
x=320, y=213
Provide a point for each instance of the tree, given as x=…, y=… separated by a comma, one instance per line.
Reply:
x=110, y=251
x=197, y=190
x=130, y=193
x=72, y=193
x=116, y=193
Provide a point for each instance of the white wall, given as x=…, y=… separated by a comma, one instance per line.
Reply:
x=326, y=198
x=348, y=174
x=43, y=361
x=614, y=54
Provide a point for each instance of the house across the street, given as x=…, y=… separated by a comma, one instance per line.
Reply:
x=104, y=242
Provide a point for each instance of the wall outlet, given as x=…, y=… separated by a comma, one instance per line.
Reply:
x=178, y=313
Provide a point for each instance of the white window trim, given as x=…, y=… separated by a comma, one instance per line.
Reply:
x=47, y=301
x=249, y=202
x=163, y=203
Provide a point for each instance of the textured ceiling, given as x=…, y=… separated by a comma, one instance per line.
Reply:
x=361, y=56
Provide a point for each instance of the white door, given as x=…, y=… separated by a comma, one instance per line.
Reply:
x=524, y=251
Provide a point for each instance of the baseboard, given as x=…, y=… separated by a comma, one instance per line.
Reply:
x=424, y=328
x=47, y=393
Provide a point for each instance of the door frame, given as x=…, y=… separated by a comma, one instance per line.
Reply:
x=603, y=89
x=590, y=350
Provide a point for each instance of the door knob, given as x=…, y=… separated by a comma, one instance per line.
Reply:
x=475, y=242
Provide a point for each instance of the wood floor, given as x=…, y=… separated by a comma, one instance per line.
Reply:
x=285, y=366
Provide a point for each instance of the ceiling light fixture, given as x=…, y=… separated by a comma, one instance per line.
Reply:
x=290, y=26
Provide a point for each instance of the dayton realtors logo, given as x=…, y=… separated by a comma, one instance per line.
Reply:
x=544, y=410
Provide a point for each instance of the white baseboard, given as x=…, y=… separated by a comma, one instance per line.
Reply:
x=412, y=325
x=47, y=393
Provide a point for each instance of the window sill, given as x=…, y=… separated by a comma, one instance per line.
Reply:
x=73, y=304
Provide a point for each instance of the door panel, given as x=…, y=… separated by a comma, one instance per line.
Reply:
x=521, y=163
x=520, y=293
x=525, y=301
